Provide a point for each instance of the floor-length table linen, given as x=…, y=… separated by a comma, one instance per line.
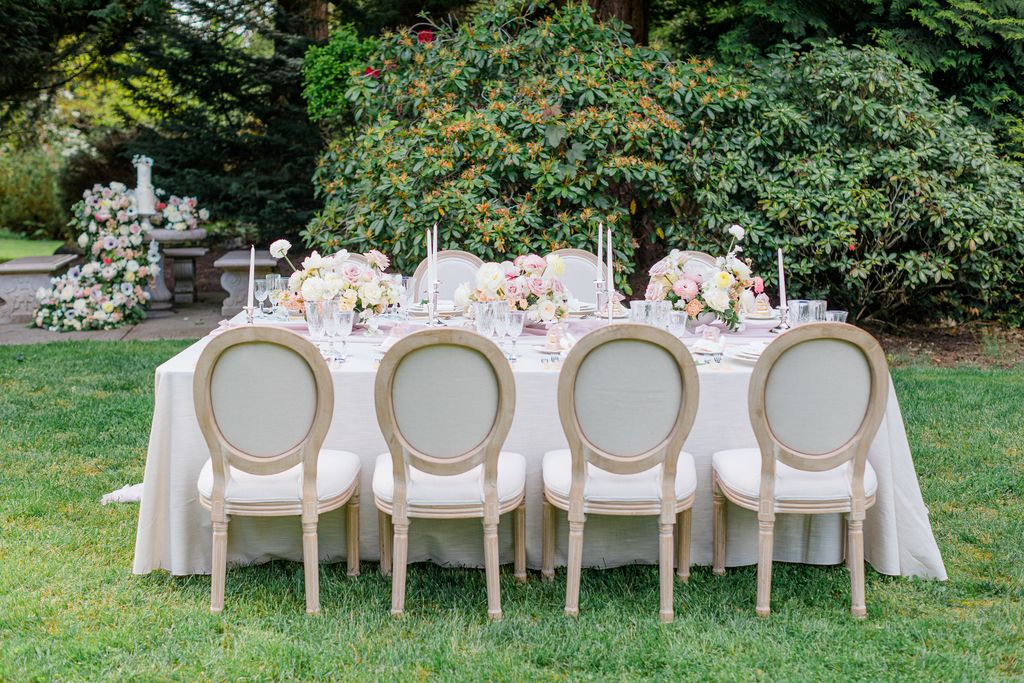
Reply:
x=174, y=530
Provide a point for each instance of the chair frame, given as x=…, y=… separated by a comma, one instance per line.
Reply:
x=583, y=254
x=671, y=512
x=223, y=454
x=772, y=450
x=395, y=517
x=420, y=274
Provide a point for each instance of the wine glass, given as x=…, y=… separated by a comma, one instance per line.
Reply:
x=516, y=320
x=330, y=326
x=275, y=288
x=501, y=311
x=315, y=311
x=344, y=322
x=407, y=296
x=261, y=293
x=483, y=318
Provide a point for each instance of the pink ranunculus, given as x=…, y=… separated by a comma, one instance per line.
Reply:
x=659, y=269
x=536, y=285
x=655, y=292
x=692, y=275
x=351, y=272
x=515, y=289
x=533, y=264
x=758, y=285
x=685, y=288
x=511, y=270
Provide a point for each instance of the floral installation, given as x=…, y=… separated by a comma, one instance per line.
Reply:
x=530, y=283
x=359, y=287
x=179, y=213
x=110, y=289
x=725, y=292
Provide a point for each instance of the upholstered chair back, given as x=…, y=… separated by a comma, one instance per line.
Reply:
x=817, y=395
x=627, y=398
x=445, y=401
x=581, y=269
x=453, y=268
x=264, y=400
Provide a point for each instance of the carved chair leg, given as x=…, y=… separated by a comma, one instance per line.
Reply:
x=311, y=565
x=218, y=574
x=856, y=561
x=352, y=534
x=519, y=541
x=399, y=559
x=719, y=522
x=765, y=548
x=384, y=530
x=665, y=566
x=548, y=533
x=492, y=569
x=575, y=565
x=683, y=525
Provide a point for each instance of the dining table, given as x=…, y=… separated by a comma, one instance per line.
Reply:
x=174, y=531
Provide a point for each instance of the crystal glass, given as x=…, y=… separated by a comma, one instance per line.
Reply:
x=835, y=316
x=315, y=311
x=406, y=296
x=330, y=326
x=501, y=311
x=660, y=312
x=799, y=312
x=516, y=320
x=483, y=318
x=677, y=322
x=344, y=321
x=640, y=311
x=275, y=288
x=261, y=293
x=818, y=307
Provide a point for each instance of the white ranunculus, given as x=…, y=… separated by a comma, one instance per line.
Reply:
x=461, y=296
x=741, y=269
x=556, y=266
x=371, y=294
x=489, y=278
x=547, y=310
x=313, y=261
x=313, y=289
x=279, y=248
x=295, y=280
x=737, y=231
x=83, y=240
x=333, y=284
x=716, y=298
x=132, y=266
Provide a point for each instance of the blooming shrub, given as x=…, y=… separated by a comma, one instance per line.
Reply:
x=517, y=131
x=109, y=290
x=179, y=213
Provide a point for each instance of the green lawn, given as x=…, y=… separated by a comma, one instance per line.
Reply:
x=15, y=246
x=74, y=420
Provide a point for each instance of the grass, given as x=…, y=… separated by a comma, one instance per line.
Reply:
x=74, y=421
x=14, y=246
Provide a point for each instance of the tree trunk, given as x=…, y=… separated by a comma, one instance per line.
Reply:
x=306, y=18
x=631, y=12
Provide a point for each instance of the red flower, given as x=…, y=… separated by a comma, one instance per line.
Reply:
x=425, y=36
x=852, y=247
x=160, y=206
x=106, y=261
x=372, y=72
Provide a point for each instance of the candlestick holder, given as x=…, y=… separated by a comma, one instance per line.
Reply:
x=432, y=319
x=599, y=288
x=783, y=320
x=249, y=310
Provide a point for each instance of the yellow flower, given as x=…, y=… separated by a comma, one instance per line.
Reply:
x=723, y=279
x=107, y=307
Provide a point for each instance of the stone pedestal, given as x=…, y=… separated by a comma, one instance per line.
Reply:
x=235, y=278
x=21, y=278
x=162, y=299
x=183, y=265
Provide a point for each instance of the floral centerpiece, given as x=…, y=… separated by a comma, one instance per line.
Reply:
x=179, y=213
x=724, y=292
x=110, y=289
x=530, y=283
x=359, y=287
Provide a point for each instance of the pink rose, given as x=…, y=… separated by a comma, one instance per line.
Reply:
x=659, y=269
x=758, y=285
x=685, y=289
x=536, y=285
x=557, y=287
x=696, y=277
x=351, y=272
x=533, y=264
x=655, y=292
x=511, y=270
x=514, y=289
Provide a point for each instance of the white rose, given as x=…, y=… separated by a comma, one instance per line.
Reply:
x=313, y=261
x=737, y=231
x=333, y=284
x=313, y=289
x=489, y=278
x=204, y=214
x=556, y=266
x=279, y=248
x=547, y=310
x=132, y=266
x=371, y=294
x=80, y=305
x=716, y=298
x=83, y=240
x=462, y=294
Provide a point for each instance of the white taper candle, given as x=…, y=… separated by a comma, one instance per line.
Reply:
x=251, y=299
x=782, y=281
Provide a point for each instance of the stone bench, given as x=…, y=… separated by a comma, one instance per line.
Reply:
x=235, y=278
x=183, y=266
x=21, y=278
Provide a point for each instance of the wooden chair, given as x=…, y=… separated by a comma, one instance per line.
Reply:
x=701, y=261
x=358, y=258
x=453, y=268
x=581, y=269
x=445, y=400
x=266, y=458
x=816, y=399
x=627, y=397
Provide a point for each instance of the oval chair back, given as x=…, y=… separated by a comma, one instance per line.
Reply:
x=581, y=269
x=453, y=268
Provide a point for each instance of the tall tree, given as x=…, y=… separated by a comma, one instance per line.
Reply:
x=633, y=13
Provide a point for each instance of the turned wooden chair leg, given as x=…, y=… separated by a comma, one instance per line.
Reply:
x=765, y=548
x=856, y=554
x=311, y=564
x=492, y=569
x=573, y=569
x=519, y=541
x=846, y=542
x=718, y=530
x=665, y=566
x=683, y=525
x=218, y=574
x=384, y=530
x=399, y=560
x=352, y=534
x=548, y=533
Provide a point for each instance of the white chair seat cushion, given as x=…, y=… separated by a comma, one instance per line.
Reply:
x=740, y=470
x=336, y=471
x=433, y=490
x=606, y=486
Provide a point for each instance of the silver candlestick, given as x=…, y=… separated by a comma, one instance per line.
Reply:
x=783, y=320
x=435, y=291
x=600, y=287
x=249, y=310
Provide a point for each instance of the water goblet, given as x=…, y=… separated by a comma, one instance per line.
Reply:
x=501, y=311
x=330, y=327
x=275, y=288
x=344, y=322
x=835, y=316
x=261, y=293
x=660, y=311
x=677, y=323
x=315, y=311
x=483, y=318
x=817, y=310
x=640, y=311
x=516, y=320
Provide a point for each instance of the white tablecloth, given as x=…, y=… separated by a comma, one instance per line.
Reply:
x=174, y=530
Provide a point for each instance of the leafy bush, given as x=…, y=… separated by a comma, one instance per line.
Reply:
x=30, y=197
x=887, y=199
x=517, y=131
x=326, y=72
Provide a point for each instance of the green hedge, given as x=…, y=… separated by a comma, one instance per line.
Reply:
x=30, y=196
